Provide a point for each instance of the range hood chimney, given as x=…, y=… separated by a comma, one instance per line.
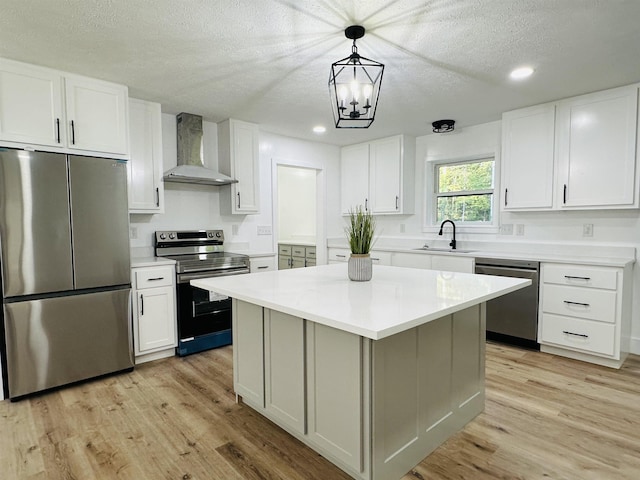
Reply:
x=191, y=167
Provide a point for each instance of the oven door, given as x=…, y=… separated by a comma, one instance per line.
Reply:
x=203, y=322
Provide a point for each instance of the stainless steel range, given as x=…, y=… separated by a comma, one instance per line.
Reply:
x=204, y=318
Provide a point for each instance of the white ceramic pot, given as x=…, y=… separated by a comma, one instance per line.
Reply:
x=360, y=267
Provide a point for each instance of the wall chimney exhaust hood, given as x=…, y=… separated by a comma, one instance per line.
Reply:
x=191, y=167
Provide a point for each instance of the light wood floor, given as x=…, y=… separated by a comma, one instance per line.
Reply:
x=545, y=417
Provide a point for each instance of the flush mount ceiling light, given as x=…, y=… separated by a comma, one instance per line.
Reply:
x=521, y=73
x=354, y=86
x=443, y=126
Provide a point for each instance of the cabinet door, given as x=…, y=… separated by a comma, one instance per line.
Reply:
x=31, y=108
x=284, y=262
x=385, y=169
x=411, y=260
x=248, y=352
x=243, y=166
x=96, y=115
x=597, y=149
x=285, y=368
x=146, y=189
x=354, y=177
x=155, y=319
x=528, y=137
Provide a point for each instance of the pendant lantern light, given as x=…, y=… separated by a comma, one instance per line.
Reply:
x=354, y=86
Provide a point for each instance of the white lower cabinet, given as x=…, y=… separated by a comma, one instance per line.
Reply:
x=154, y=312
x=585, y=312
x=262, y=264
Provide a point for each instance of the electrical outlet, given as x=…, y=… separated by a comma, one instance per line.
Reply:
x=133, y=233
x=519, y=229
x=587, y=230
x=506, y=229
x=402, y=228
x=264, y=229
x=234, y=229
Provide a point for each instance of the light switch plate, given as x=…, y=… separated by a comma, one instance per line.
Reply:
x=519, y=229
x=587, y=230
x=264, y=229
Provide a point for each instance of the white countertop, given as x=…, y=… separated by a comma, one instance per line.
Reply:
x=150, y=262
x=396, y=299
x=580, y=254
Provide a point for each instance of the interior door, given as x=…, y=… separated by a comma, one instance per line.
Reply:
x=34, y=223
x=100, y=219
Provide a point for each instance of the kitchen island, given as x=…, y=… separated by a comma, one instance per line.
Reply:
x=372, y=375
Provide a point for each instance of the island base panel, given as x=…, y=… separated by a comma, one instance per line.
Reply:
x=374, y=408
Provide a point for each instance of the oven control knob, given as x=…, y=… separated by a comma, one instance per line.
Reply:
x=172, y=236
x=162, y=236
x=218, y=234
x=210, y=235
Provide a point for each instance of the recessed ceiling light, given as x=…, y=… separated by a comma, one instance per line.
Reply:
x=520, y=73
x=319, y=129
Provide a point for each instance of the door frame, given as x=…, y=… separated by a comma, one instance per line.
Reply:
x=321, y=222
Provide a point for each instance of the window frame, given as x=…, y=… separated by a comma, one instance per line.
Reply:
x=431, y=195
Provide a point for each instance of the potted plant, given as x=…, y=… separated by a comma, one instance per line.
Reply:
x=360, y=233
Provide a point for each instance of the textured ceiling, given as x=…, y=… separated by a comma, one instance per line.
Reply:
x=267, y=61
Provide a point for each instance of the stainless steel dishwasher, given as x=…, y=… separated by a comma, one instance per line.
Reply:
x=513, y=318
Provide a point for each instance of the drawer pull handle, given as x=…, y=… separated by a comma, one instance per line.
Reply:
x=581, y=335
x=576, y=303
x=263, y=266
x=156, y=279
x=374, y=259
x=571, y=277
x=341, y=256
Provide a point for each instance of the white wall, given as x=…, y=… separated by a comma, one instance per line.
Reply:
x=296, y=203
x=198, y=206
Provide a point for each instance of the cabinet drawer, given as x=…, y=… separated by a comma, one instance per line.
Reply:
x=262, y=264
x=310, y=263
x=380, y=258
x=284, y=249
x=310, y=252
x=580, y=276
x=594, y=337
x=580, y=302
x=154, y=277
x=297, y=251
x=339, y=255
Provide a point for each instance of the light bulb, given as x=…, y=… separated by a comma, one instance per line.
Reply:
x=355, y=90
x=367, y=91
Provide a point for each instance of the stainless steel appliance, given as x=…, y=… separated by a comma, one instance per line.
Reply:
x=513, y=318
x=64, y=228
x=204, y=318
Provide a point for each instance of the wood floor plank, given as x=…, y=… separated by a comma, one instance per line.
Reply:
x=545, y=417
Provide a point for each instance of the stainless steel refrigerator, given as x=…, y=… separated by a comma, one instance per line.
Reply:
x=64, y=229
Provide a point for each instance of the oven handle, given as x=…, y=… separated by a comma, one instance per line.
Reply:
x=185, y=278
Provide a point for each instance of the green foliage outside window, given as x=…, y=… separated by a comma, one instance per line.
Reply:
x=465, y=191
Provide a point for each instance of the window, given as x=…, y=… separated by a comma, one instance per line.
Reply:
x=464, y=191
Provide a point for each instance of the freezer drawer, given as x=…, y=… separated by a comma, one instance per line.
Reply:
x=56, y=341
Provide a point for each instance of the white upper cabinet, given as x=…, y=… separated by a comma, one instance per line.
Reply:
x=146, y=189
x=31, y=109
x=597, y=149
x=528, y=142
x=379, y=175
x=579, y=153
x=69, y=113
x=238, y=151
x=96, y=115
x=354, y=174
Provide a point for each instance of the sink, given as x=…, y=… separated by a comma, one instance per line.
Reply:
x=448, y=250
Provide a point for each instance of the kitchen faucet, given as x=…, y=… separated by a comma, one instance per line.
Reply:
x=453, y=240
